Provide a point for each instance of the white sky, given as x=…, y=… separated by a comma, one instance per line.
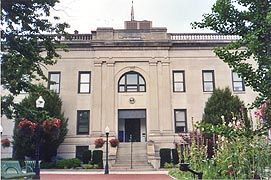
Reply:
x=175, y=15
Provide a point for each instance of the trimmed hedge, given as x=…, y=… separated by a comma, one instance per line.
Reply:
x=175, y=156
x=165, y=155
x=86, y=156
x=68, y=163
x=97, y=158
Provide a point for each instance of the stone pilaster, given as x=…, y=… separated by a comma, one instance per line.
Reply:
x=166, y=124
x=108, y=96
x=153, y=117
x=96, y=118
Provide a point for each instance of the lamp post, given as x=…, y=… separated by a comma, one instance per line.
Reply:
x=106, y=169
x=39, y=105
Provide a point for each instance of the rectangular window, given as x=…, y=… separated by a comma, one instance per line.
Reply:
x=237, y=82
x=82, y=122
x=54, y=81
x=208, y=80
x=79, y=152
x=84, y=82
x=178, y=81
x=180, y=120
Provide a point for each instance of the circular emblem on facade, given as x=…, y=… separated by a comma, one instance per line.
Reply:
x=132, y=100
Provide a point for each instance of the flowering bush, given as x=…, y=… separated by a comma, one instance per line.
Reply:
x=49, y=124
x=5, y=143
x=25, y=123
x=114, y=142
x=99, y=143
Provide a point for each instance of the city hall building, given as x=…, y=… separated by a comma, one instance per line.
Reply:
x=140, y=81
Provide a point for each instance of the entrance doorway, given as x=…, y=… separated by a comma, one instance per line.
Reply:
x=132, y=123
x=132, y=130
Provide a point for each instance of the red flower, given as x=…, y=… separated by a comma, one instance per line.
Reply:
x=99, y=143
x=114, y=142
x=49, y=124
x=25, y=123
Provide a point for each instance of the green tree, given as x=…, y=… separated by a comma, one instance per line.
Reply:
x=25, y=146
x=251, y=20
x=223, y=103
x=29, y=43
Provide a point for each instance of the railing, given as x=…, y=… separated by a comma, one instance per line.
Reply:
x=79, y=37
x=202, y=37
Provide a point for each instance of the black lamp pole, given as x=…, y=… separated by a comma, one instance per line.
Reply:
x=106, y=169
x=38, y=132
x=37, y=164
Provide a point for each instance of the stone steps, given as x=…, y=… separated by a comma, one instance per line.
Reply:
x=139, y=158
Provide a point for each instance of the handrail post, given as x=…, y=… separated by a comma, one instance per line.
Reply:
x=131, y=140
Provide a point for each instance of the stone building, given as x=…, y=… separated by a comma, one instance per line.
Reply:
x=141, y=82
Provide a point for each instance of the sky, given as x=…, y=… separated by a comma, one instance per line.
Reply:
x=176, y=15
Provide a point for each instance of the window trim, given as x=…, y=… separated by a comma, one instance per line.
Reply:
x=175, y=122
x=77, y=123
x=183, y=81
x=138, y=85
x=213, y=79
x=49, y=77
x=79, y=82
x=243, y=83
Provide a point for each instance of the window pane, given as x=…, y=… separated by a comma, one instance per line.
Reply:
x=178, y=76
x=180, y=123
x=141, y=80
x=131, y=78
x=83, y=122
x=54, y=87
x=54, y=78
x=180, y=115
x=84, y=88
x=141, y=88
x=208, y=86
x=208, y=76
x=122, y=80
x=121, y=88
x=85, y=78
x=180, y=129
x=178, y=87
x=131, y=88
x=238, y=86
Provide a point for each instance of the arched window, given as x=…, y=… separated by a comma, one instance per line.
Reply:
x=132, y=82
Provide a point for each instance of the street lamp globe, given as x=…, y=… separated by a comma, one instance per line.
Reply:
x=40, y=102
x=107, y=130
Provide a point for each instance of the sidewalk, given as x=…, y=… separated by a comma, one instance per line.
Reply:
x=99, y=175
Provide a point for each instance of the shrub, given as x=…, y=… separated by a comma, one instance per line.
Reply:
x=97, y=158
x=222, y=103
x=86, y=156
x=68, y=163
x=99, y=143
x=87, y=166
x=47, y=165
x=114, y=142
x=165, y=155
x=175, y=156
x=169, y=165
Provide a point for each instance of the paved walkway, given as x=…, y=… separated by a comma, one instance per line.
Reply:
x=104, y=177
x=99, y=175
